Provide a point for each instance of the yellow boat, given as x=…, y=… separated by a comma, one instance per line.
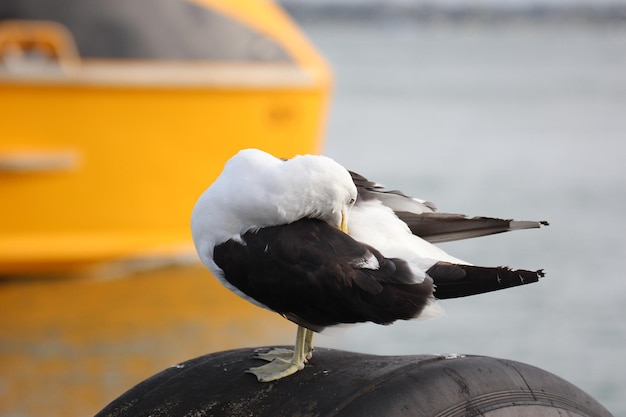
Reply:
x=107, y=140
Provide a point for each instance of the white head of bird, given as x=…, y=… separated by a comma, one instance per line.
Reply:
x=257, y=190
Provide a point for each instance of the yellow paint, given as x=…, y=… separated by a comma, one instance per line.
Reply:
x=106, y=161
x=143, y=157
x=71, y=346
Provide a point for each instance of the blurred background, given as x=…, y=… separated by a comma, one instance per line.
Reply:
x=508, y=109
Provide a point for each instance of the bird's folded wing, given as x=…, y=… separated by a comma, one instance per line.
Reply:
x=443, y=227
x=452, y=281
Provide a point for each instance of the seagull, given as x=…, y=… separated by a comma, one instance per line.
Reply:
x=323, y=246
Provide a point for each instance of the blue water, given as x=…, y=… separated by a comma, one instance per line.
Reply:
x=525, y=121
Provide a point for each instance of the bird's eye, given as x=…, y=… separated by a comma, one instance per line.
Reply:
x=351, y=201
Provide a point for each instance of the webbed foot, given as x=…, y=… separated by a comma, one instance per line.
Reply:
x=276, y=369
x=275, y=353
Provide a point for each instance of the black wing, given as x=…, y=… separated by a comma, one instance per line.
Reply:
x=317, y=276
x=424, y=221
x=443, y=227
x=453, y=281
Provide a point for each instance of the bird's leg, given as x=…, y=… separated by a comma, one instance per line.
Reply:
x=280, y=367
x=287, y=354
x=308, y=345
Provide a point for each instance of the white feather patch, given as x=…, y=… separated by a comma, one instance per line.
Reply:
x=369, y=261
x=375, y=224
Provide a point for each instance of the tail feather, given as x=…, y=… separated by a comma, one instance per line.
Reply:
x=453, y=281
x=443, y=227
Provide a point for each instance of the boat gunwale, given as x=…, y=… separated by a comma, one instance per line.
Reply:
x=154, y=73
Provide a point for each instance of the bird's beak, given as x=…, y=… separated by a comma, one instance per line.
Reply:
x=344, y=223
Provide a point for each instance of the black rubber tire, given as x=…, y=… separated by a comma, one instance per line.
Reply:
x=337, y=383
